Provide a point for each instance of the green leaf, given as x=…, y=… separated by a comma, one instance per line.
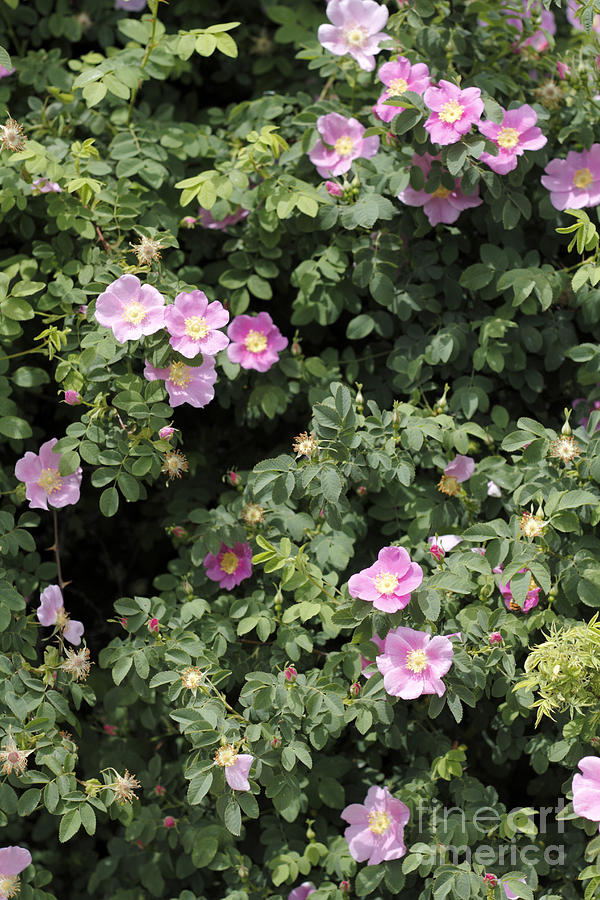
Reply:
x=94, y=93
x=198, y=788
x=331, y=483
x=368, y=879
x=121, y=668
x=69, y=825
x=109, y=502
x=233, y=817
x=15, y=428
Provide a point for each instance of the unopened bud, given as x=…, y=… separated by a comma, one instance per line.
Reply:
x=154, y=625
x=355, y=689
x=275, y=742
x=166, y=433
x=345, y=887
x=437, y=551
x=72, y=398
x=290, y=674
x=333, y=189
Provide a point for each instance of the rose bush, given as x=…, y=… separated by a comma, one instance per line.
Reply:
x=300, y=398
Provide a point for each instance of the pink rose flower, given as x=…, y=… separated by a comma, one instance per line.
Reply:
x=516, y=134
x=538, y=39
x=490, y=879
x=574, y=182
x=12, y=862
x=192, y=323
x=388, y=583
x=453, y=111
x=442, y=205
x=4, y=71
x=461, y=468
x=344, y=140
x=131, y=5
x=51, y=611
x=413, y=663
x=44, y=186
x=206, y=220
x=73, y=398
x=376, y=828
x=356, y=29
x=44, y=484
x=572, y=8
x=302, y=891
x=255, y=342
x=186, y=384
x=495, y=638
x=230, y=566
x=586, y=789
x=531, y=600
x=130, y=308
x=236, y=765
x=398, y=77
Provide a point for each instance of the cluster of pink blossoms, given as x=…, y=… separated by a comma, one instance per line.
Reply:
x=133, y=310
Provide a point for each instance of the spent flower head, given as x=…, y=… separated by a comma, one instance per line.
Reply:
x=77, y=663
x=532, y=526
x=191, y=678
x=13, y=759
x=565, y=448
x=304, y=445
x=253, y=514
x=147, y=250
x=174, y=463
x=124, y=787
x=11, y=136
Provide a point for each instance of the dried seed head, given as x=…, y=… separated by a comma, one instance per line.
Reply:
x=565, y=448
x=77, y=663
x=191, y=678
x=147, y=250
x=304, y=445
x=532, y=526
x=13, y=759
x=448, y=485
x=124, y=787
x=174, y=463
x=253, y=514
x=11, y=136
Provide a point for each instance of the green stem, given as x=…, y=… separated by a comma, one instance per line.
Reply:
x=149, y=49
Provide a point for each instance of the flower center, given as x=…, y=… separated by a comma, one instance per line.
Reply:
x=448, y=484
x=386, y=582
x=179, y=374
x=135, y=312
x=451, y=111
x=397, y=86
x=582, y=178
x=61, y=617
x=507, y=138
x=226, y=756
x=255, y=341
x=50, y=481
x=532, y=584
x=441, y=192
x=355, y=35
x=344, y=145
x=416, y=661
x=379, y=821
x=196, y=327
x=13, y=756
x=229, y=562
x=9, y=885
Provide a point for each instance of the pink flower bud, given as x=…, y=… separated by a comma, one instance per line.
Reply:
x=124, y=622
x=491, y=879
x=72, y=398
x=437, y=552
x=179, y=531
x=154, y=625
x=275, y=742
x=166, y=433
x=110, y=729
x=321, y=513
x=354, y=689
x=160, y=790
x=345, y=887
x=495, y=638
x=290, y=673
x=234, y=477
x=82, y=310
x=169, y=822
x=140, y=844
x=361, y=490
x=563, y=69
x=296, y=349
x=188, y=221
x=333, y=189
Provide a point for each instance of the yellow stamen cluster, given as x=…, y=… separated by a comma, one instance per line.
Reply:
x=226, y=756
x=9, y=885
x=379, y=821
x=355, y=35
x=531, y=526
x=582, y=178
x=196, y=327
x=11, y=136
x=451, y=111
x=304, y=444
x=124, y=787
x=441, y=192
x=134, y=312
x=147, y=250
x=386, y=582
x=229, y=562
x=397, y=86
x=448, y=485
x=191, y=678
x=507, y=138
x=255, y=341
x=13, y=760
x=174, y=463
x=180, y=374
x=77, y=663
x=253, y=514
x=344, y=145
x=416, y=661
x=50, y=481
x=565, y=448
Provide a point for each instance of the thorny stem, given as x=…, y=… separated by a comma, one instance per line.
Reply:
x=102, y=239
x=149, y=49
